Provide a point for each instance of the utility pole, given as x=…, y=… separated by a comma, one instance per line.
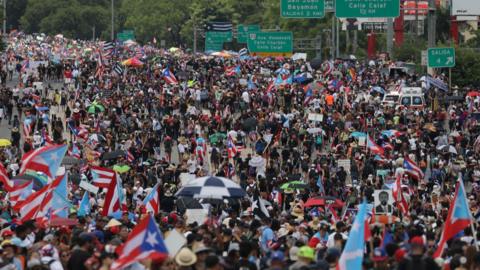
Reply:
x=4, y=17
x=337, y=36
x=113, y=21
x=432, y=22
x=332, y=47
x=93, y=33
x=389, y=36
x=194, y=38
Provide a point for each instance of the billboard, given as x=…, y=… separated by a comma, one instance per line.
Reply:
x=465, y=7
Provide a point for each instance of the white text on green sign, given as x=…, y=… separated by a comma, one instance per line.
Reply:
x=302, y=8
x=367, y=8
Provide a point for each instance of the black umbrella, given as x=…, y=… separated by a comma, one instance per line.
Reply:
x=113, y=155
x=71, y=161
x=249, y=124
x=316, y=63
x=185, y=203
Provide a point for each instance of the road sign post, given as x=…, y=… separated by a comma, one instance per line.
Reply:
x=367, y=8
x=441, y=57
x=302, y=8
x=270, y=43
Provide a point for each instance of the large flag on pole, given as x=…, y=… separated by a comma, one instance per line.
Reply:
x=114, y=199
x=352, y=256
x=35, y=204
x=102, y=177
x=459, y=217
x=45, y=159
x=144, y=242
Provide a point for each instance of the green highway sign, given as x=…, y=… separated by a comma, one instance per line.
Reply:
x=218, y=36
x=302, y=8
x=242, y=31
x=441, y=57
x=367, y=8
x=270, y=43
x=329, y=4
x=126, y=35
x=213, y=42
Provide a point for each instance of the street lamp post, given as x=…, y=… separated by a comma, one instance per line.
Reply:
x=113, y=20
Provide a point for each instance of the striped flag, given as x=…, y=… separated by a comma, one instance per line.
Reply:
x=101, y=177
x=151, y=201
x=114, y=199
x=117, y=68
x=219, y=26
x=7, y=183
x=20, y=193
x=34, y=205
x=108, y=46
x=129, y=157
x=243, y=52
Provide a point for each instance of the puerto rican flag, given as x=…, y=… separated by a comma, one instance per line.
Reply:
x=45, y=159
x=34, y=205
x=114, y=199
x=374, y=147
x=398, y=195
x=7, y=183
x=391, y=133
x=231, y=148
x=387, y=146
x=20, y=193
x=412, y=169
x=129, y=157
x=144, y=242
x=169, y=77
x=459, y=218
x=102, y=177
x=232, y=71
x=27, y=126
x=151, y=201
x=74, y=151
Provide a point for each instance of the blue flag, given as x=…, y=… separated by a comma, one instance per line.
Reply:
x=352, y=255
x=60, y=203
x=84, y=206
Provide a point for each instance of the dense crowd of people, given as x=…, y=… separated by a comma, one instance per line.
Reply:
x=308, y=141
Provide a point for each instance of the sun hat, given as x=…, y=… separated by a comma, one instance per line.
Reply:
x=185, y=257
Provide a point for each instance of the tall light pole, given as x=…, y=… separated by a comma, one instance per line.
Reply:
x=4, y=17
x=113, y=21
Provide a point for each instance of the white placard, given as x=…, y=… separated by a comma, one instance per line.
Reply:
x=317, y=117
x=196, y=215
x=362, y=141
x=185, y=177
x=174, y=242
x=89, y=187
x=345, y=163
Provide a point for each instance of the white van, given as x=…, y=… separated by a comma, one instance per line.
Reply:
x=391, y=99
x=411, y=97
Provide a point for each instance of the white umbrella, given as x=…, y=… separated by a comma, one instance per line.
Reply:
x=257, y=161
x=447, y=148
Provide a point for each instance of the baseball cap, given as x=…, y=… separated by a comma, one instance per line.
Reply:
x=277, y=256
x=306, y=252
x=417, y=241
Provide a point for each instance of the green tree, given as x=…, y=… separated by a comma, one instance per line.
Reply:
x=467, y=68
